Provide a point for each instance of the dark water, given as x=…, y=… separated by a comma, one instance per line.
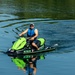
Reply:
x=55, y=20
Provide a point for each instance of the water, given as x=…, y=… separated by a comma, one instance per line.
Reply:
x=55, y=21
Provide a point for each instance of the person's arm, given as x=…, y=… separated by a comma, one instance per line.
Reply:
x=35, y=69
x=36, y=33
x=23, y=32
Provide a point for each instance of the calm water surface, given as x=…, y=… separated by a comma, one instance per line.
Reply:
x=55, y=20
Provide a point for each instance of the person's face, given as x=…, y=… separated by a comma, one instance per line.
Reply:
x=31, y=27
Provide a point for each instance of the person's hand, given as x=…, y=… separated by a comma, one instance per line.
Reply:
x=20, y=35
x=24, y=70
x=33, y=59
x=32, y=38
x=19, y=68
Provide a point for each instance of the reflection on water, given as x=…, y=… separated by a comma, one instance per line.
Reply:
x=4, y=17
x=27, y=63
x=55, y=21
x=50, y=29
x=56, y=9
x=61, y=32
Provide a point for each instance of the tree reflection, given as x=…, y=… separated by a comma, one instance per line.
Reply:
x=56, y=9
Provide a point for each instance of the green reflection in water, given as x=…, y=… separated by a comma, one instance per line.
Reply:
x=56, y=9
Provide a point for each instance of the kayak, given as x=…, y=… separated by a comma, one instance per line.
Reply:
x=23, y=47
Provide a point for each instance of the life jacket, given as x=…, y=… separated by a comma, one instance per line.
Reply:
x=31, y=32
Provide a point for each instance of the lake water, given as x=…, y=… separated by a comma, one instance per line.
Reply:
x=55, y=20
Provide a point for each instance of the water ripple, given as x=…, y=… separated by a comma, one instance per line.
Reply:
x=54, y=31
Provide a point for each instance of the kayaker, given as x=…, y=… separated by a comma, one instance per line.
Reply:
x=33, y=34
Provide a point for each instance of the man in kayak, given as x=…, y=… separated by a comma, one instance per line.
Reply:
x=33, y=34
